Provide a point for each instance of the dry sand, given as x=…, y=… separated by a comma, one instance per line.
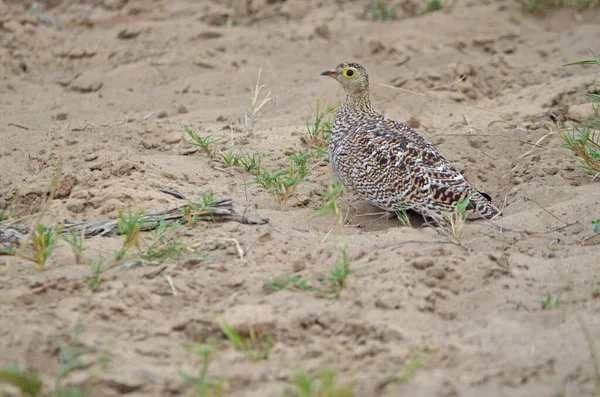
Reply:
x=91, y=95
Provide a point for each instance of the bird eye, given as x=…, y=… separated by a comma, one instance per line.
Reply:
x=348, y=73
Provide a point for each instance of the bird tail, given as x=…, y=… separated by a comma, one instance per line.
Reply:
x=482, y=204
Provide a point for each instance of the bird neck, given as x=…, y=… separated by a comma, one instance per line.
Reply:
x=358, y=102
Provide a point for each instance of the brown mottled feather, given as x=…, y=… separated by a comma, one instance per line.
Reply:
x=388, y=163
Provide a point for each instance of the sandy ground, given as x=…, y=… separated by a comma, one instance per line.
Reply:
x=92, y=96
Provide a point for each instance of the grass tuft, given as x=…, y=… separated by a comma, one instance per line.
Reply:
x=202, y=384
x=75, y=239
x=255, y=347
x=41, y=245
x=206, y=143
x=252, y=115
x=341, y=270
x=551, y=301
x=129, y=226
x=383, y=10
x=541, y=5
x=322, y=384
x=583, y=140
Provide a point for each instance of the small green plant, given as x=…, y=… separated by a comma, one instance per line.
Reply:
x=75, y=239
x=231, y=17
x=231, y=157
x=595, y=290
x=321, y=384
x=454, y=223
x=7, y=212
x=319, y=131
x=402, y=215
x=540, y=5
x=43, y=242
x=341, y=270
x=382, y=10
x=433, y=5
x=251, y=162
x=583, y=140
x=240, y=158
x=27, y=382
x=282, y=184
x=206, y=143
x=551, y=301
x=596, y=226
x=413, y=365
x=192, y=210
x=94, y=280
x=294, y=280
x=584, y=143
x=129, y=226
x=163, y=243
x=253, y=346
x=203, y=386
x=252, y=115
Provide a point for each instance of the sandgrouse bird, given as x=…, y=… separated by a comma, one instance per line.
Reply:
x=388, y=163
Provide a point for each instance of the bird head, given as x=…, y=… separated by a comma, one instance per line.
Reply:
x=352, y=76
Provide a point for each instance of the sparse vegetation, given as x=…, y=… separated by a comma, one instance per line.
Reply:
x=42, y=243
x=321, y=384
x=282, y=184
x=239, y=158
x=341, y=269
x=7, y=212
x=293, y=281
x=433, y=5
x=551, y=301
x=94, y=280
x=540, y=5
x=163, y=243
x=596, y=226
x=257, y=347
x=129, y=226
x=202, y=384
x=256, y=111
x=411, y=368
x=207, y=143
x=75, y=239
x=583, y=140
x=319, y=130
x=452, y=224
x=403, y=216
x=384, y=10
x=70, y=359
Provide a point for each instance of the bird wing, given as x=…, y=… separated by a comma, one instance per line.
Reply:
x=424, y=179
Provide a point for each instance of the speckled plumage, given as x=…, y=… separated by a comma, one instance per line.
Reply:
x=388, y=163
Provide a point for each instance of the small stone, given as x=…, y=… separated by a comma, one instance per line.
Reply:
x=87, y=82
x=128, y=33
x=581, y=113
x=182, y=109
x=91, y=157
x=422, y=263
x=162, y=114
x=243, y=318
x=64, y=81
x=67, y=183
x=298, y=266
x=61, y=116
x=171, y=140
x=323, y=32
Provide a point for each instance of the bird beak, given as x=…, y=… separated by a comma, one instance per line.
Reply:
x=331, y=73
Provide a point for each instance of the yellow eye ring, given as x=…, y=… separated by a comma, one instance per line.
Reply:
x=349, y=73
